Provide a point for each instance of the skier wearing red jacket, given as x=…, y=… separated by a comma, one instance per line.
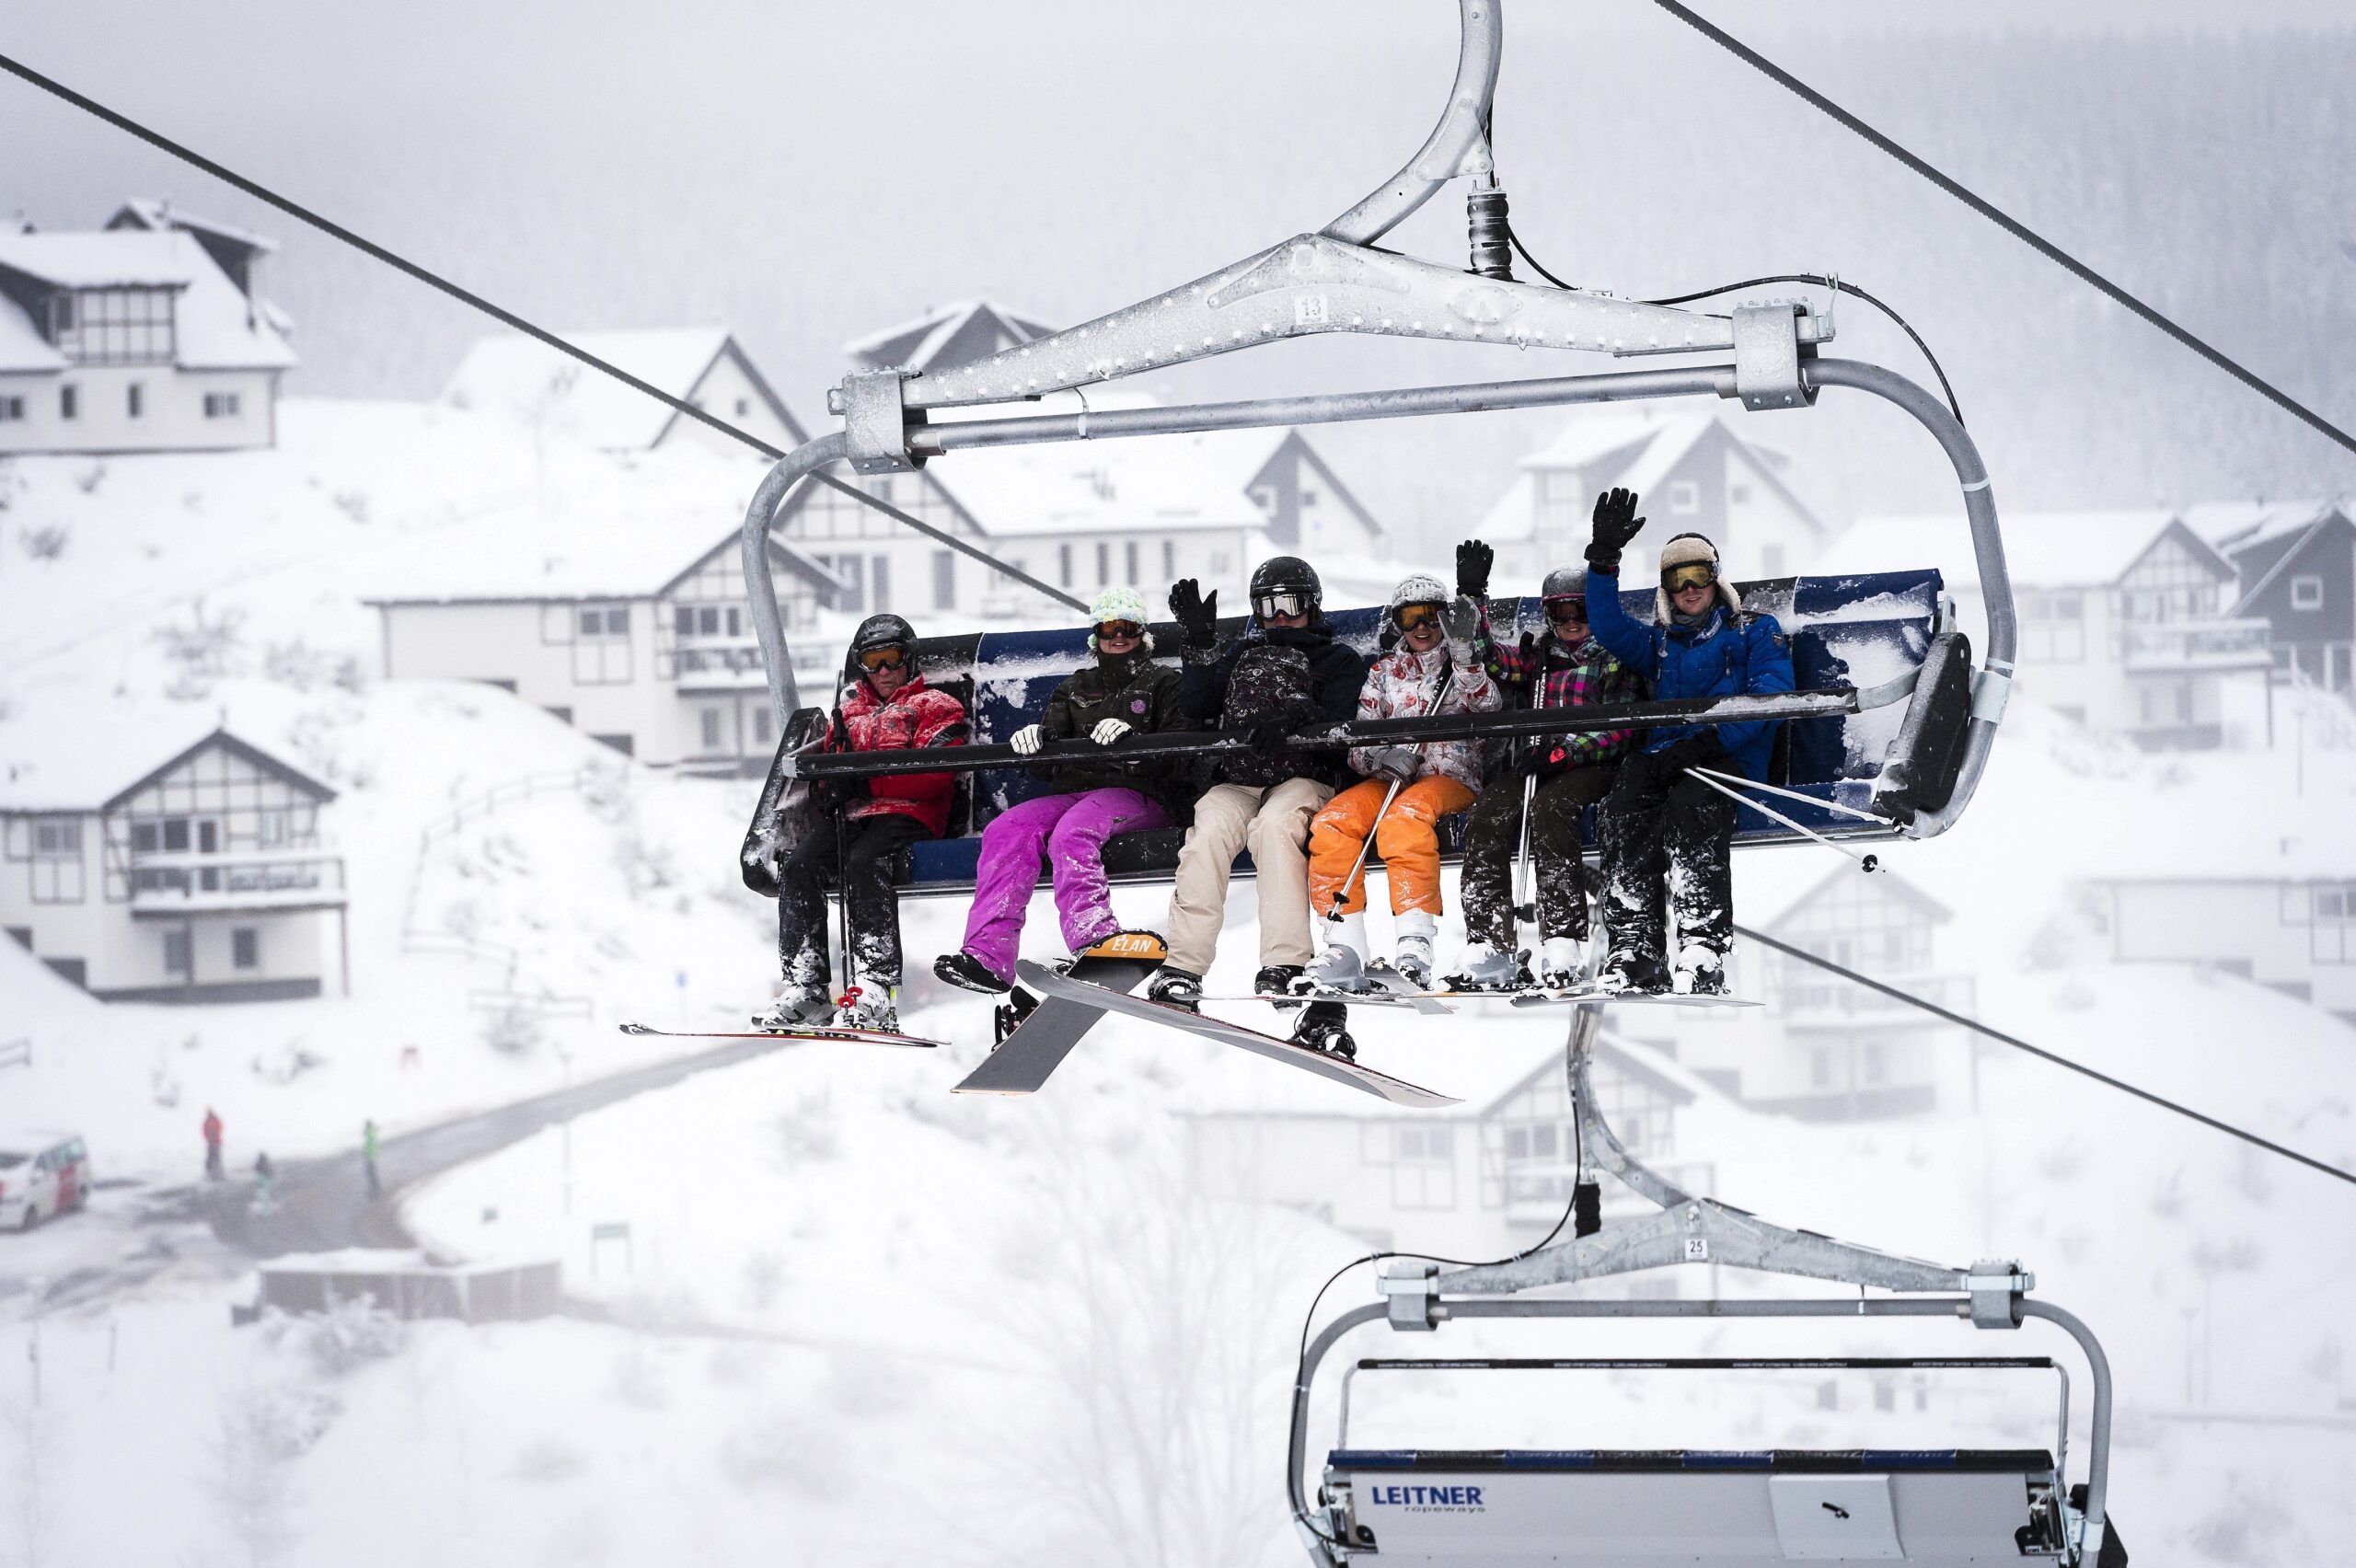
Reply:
x=885, y=706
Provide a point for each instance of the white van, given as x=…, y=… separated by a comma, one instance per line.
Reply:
x=42, y=1175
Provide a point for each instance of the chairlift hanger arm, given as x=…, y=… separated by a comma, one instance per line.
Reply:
x=1458, y=145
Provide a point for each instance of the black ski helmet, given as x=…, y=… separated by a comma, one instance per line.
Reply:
x=1564, y=582
x=1286, y=574
x=881, y=631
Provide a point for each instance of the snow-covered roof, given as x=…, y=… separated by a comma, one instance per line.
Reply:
x=2233, y=527
x=2042, y=550
x=215, y=326
x=148, y=213
x=57, y=759
x=524, y=379
x=945, y=335
x=1636, y=448
x=22, y=347
x=1773, y=883
x=1178, y=484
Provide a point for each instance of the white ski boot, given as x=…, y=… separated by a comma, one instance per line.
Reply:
x=1484, y=968
x=1342, y=966
x=1700, y=972
x=1562, y=965
x=1411, y=953
x=873, y=1008
x=797, y=1006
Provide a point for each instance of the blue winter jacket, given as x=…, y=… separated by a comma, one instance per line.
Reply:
x=1722, y=657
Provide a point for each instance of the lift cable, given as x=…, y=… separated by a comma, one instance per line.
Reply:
x=2010, y=224
x=509, y=318
x=2037, y=1051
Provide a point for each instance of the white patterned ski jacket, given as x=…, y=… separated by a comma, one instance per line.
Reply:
x=1404, y=683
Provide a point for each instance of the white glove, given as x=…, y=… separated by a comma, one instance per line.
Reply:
x=1108, y=731
x=1026, y=740
x=1459, y=620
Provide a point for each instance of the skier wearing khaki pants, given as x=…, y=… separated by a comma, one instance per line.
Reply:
x=1284, y=672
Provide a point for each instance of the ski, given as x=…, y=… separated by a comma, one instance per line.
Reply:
x=1077, y=992
x=800, y=1032
x=1390, y=983
x=1036, y=1046
x=1348, y=999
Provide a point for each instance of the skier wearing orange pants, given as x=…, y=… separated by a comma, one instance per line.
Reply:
x=1430, y=671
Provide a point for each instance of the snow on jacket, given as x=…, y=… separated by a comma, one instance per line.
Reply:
x=1404, y=683
x=1571, y=677
x=1727, y=654
x=912, y=716
x=1301, y=674
x=1127, y=686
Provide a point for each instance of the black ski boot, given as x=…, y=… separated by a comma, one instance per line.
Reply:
x=1275, y=980
x=1176, y=987
x=1322, y=1028
x=963, y=969
x=1625, y=973
x=1008, y=1016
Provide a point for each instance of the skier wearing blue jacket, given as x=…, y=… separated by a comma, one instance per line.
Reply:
x=1659, y=822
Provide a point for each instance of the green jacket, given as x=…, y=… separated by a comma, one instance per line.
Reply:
x=1132, y=688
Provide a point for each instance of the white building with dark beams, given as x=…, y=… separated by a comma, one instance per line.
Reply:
x=149, y=872
x=145, y=336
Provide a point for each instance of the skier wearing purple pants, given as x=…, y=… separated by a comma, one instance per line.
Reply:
x=1124, y=691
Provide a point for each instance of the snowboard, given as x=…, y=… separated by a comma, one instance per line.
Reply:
x=1037, y=1046
x=800, y=1032
x=1589, y=998
x=1075, y=991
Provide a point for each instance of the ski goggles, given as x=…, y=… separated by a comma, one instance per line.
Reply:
x=1693, y=574
x=1286, y=604
x=1567, y=607
x=1411, y=616
x=883, y=659
x=1114, y=630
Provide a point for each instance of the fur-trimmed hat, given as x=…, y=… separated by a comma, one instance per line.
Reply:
x=1685, y=549
x=1118, y=604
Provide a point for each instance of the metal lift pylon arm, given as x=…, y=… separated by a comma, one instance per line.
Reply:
x=1458, y=144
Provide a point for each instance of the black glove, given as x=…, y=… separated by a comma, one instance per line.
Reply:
x=1269, y=736
x=1543, y=756
x=1615, y=524
x=1700, y=749
x=1197, y=613
x=1473, y=559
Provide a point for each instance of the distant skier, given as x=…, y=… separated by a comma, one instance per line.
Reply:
x=885, y=706
x=368, y=1158
x=1559, y=776
x=1123, y=692
x=265, y=1185
x=1432, y=670
x=1284, y=672
x=212, y=1143
x=1658, y=819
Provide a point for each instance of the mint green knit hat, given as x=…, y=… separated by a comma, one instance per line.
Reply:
x=1117, y=604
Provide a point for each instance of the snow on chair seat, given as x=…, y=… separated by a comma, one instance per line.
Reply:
x=1708, y=1508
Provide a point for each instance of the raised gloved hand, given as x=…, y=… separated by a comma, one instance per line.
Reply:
x=1473, y=559
x=1107, y=731
x=1700, y=749
x=1196, y=611
x=1459, y=620
x=1402, y=763
x=1026, y=740
x=1615, y=524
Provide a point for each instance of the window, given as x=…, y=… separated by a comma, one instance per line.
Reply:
x=744, y=407
x=1129, y=555
x=1308, y=498
x=880, y=582
x=53, y=839
x=761, y=725
x=220, y=405
x=2306, y=592
x=269, y=829
x=853, y=570
x=175, y=836
x=134, y=400
x=593, y=622
x=69, y=402
x=244, y=948
x=11, y=408
x=736, y=620
x=712, y=729
x=57, y=861
x=1104, y=564
x=1423, y=1170
x=683, y=620
x=1063, y=565
x=1739, y=495
x=945, y=579
x=708, y=620
x=113, y=326
x=1684, y=497
x=1169, y=558
x=176, y=953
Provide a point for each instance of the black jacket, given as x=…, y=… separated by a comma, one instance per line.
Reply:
x=1139, y=693
x=1304, y=676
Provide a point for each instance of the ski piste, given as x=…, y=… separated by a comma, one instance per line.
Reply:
x=802, y=1031
x=1022, y=1062
x=1096, y=998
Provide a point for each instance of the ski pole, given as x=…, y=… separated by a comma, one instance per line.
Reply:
x=1867, y=863
x=1524, y=906
x=1741, y=783
x=1343, y=892
x=842, y=905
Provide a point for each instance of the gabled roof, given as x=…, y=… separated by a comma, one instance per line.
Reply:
x=1771, y=887
x=2042, y=550
x=104, y=258
x=955, y=333
x=1637, y=449
x=523, y=378
x=1171, y=483
x=215, y=326
x=147, y=213
x=103, y=764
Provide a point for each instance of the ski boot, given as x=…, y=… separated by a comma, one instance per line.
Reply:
x=875, y=1011
x=1628, y=975
x=1700, y=972
x=1176, y=987
x=1277, y=980
x=797, y=1006
x=1008, y=1016
x=1145, y=947
x=1411, y=954
x=1484, y=968
x=1561, y=964
x=1322, y=1028
x=964, y=970
x=1342, y=966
